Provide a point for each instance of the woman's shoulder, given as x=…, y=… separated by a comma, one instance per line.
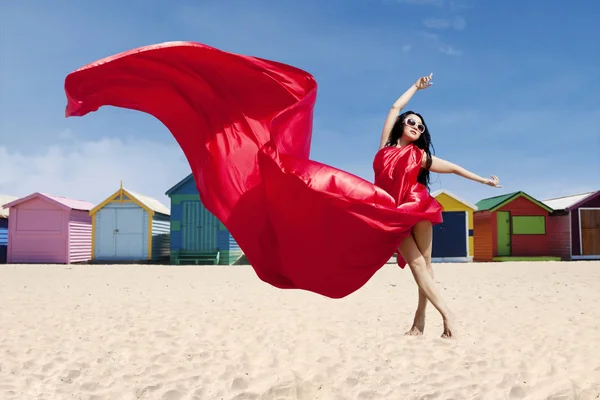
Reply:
x=409, y=154
x=409, y=148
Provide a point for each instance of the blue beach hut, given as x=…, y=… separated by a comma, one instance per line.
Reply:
x=197, y=236
x=130, y=227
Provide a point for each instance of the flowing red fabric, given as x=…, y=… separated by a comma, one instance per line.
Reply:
x=245, y=126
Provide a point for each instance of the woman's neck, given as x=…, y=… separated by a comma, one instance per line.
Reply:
x=402, y=143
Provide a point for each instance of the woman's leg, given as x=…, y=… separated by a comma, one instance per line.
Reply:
x=422, y=233
x=418, y=266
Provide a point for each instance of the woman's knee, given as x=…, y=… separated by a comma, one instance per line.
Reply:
x=427, y=258
x=418, y=264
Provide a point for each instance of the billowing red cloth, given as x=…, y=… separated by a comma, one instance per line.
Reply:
x=245, y=126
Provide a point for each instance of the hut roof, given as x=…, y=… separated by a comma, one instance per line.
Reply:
x=151, y=203
x=179, y=184
x=61, y=201
x=455, y=197
x=565, y=202
x=146, y=202
x=5, y=199
x=494, y=203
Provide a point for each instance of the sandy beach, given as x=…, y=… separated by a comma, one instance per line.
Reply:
x=527, y=331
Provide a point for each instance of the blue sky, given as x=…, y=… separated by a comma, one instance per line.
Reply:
x=515, y=90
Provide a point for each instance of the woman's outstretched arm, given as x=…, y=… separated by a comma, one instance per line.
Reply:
x=399, y=104
x=446, y=167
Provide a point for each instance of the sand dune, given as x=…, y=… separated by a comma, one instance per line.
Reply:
x=527, y=331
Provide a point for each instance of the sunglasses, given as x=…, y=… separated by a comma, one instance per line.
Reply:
x=412, y=122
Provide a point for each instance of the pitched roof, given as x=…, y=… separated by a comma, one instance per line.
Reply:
x=493, y=203
x=179, y=184
x=64, y=202
x=150, y=202
x=562, y=203
x=5, y=199
x=71, y=203
x=455, y=197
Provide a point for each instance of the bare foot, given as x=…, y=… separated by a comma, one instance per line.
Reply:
x=449, y=325
x=418, y=325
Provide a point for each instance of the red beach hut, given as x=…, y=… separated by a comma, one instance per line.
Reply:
x=511, y=227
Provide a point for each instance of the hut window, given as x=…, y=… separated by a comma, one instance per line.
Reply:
x=529, y=225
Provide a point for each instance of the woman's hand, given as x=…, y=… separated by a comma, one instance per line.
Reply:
x=421, y=83
x=494, y=182
x=424, y=82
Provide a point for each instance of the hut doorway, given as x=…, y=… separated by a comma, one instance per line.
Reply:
x=589, y=230
x=198, y=227
x=122, y=233
x=450, y=238
x=503, y=230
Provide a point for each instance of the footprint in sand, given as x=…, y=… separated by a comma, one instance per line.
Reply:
x=71, y=376
x=239, y=383
x=89, y=387
x=517, y=392
x=147, y=389
x=172, y=395
x=368, y=395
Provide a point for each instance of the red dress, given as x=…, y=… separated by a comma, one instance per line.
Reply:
x=245, y=127
x=396, y=171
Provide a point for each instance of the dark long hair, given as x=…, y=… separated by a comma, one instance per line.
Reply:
x=424, y=142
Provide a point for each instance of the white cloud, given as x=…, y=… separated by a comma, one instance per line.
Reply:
x=456, y=5
x=458, y=23
x=449, y=50
x=92, y=170
x=436, y=23
x=442, y=47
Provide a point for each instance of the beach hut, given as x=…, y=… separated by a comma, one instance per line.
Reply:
x=46, y=229
x=4, y=226
x=511, y=227
x=130, y=227
x=197, y=236
x=453, y=238
x=574, y=225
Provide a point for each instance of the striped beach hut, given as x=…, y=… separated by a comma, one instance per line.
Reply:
x=44, y=228
x=512, y=227
x=197, y=236
x=4, y=226
x=574, y=226
x=130, y=227
x=453, y=238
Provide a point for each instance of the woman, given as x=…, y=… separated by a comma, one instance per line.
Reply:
x=402, y=167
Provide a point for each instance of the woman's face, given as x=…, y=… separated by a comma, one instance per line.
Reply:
x=413, y=127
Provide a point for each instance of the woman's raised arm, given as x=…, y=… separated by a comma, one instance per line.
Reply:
x=421, y=83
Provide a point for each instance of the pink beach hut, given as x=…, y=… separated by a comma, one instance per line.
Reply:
x=49, y=229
